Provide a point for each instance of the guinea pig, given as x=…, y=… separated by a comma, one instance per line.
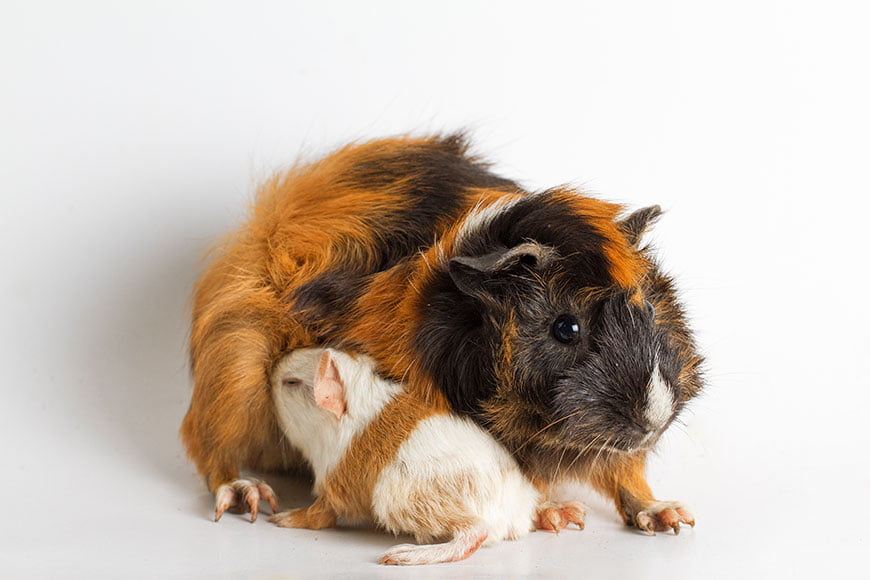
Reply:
x=539, y=315
x=380, y=455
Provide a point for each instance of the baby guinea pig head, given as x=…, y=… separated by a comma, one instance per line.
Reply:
x=556, y=330
x=327, y=382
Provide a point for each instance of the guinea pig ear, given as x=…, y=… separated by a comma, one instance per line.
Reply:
x=638, y=222
x=329, y=391
x=469, y=273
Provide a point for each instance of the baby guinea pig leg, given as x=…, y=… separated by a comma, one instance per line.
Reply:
x=465, y=542
x=626, y=484
x=317, y=516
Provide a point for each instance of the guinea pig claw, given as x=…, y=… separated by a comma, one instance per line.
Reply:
x=252, y=497
x=686, y=517
x=223, y=498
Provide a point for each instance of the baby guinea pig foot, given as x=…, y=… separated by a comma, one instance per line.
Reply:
x=661, y=516
x=555, y=516
x=242, y=496
x=464, y=543
x=317, y=516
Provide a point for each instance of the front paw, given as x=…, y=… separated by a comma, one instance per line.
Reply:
x=555, y=516
x=242, y=496
x=661, y=516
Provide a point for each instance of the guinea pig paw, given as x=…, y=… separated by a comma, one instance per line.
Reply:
x=661, y=516
x=289, y=519
x=555, y=516
x=242, y=496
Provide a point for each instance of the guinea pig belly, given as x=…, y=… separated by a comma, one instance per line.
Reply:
x=449, y=475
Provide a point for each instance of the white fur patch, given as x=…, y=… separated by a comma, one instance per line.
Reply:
x=480, y=218
x=660, y=400
x=316, y=432
x=450, y=468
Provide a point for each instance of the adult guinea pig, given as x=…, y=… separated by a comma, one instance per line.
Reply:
x=539, y=315
x=380, y=455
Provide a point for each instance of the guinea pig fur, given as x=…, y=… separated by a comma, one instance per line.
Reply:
x=540, y=315
x=380, y=455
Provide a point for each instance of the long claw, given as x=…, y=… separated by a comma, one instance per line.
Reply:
x=554, y=519
x=686, y=517
x=223, y=498
x=269, y=495
x=252, y=498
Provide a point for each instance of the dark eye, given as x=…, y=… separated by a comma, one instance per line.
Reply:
x=651, y=309
x=566, y=329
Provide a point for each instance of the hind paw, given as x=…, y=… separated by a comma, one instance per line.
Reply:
x=242, y=496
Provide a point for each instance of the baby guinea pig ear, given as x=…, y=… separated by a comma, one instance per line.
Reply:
x=329, y=391
x=469, y=273
x=639, y=222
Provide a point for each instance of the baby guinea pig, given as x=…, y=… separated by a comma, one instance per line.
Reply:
x=380, y=455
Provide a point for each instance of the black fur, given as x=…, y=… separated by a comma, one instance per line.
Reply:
x=456, y=343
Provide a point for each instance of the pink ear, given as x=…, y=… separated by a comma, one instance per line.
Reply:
x=328, y=388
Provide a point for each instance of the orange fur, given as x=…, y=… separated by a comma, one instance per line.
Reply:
x=626, y=268
x=623, y=480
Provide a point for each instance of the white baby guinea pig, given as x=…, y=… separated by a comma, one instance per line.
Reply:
x=380, y=455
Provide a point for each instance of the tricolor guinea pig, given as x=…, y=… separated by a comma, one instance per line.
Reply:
x=541, y=316
x=380, y=455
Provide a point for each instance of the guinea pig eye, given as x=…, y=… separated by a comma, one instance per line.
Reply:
x=291, y=382
x=651, y=309
x=566, y=329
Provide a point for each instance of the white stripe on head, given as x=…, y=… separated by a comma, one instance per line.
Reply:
x=659, y=400
x=479, y=217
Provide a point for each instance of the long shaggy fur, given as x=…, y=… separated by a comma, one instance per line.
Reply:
x=449, y=277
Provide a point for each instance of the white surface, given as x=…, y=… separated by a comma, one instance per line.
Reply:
x=133, y=135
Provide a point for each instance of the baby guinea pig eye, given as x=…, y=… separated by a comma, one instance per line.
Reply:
x=291, y=382
x=566, y=329
x=651, y=309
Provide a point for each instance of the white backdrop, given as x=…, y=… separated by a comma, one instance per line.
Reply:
x=132, y=135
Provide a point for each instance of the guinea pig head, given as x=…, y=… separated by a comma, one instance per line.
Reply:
x=541, y=335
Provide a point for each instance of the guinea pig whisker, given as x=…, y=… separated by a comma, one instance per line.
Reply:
x=539, y=431
x=597, y=455
x=582, y=452
x=589, y=446
x=559, y=465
